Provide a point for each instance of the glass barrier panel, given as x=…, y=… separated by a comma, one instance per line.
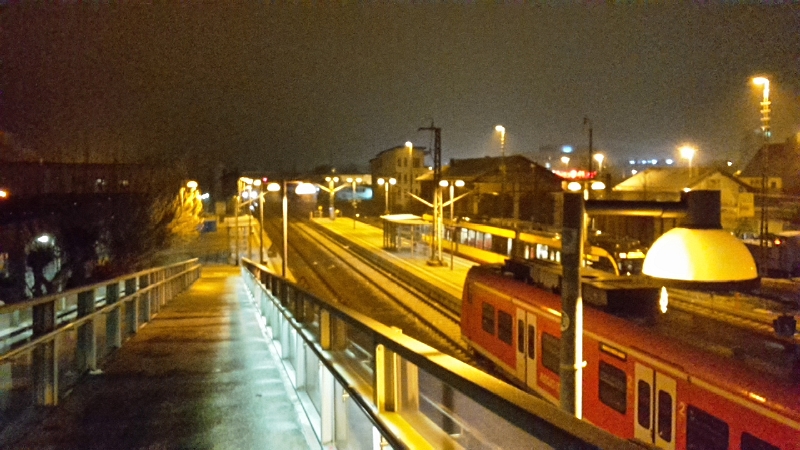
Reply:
x=16, y=386
x=353, y=426
x=68, y=372
x=312, y=371
x=468, y=423
x=66, y=309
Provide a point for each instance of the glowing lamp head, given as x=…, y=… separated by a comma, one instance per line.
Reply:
x=444, y=183
x=273, y=187
x=700, y=257
x=381, y=181
x=574, y=186
x=191, y=184
x=761, y=81
x=501, y=129
x=305, y=189
x=392, y=181
x=459, y=183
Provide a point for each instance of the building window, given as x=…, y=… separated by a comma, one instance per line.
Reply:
x=613, y=387
x=505, y=326
x=487, y=321
x=551, y=352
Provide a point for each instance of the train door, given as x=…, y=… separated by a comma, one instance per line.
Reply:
x=654, y=419
x=526, y=347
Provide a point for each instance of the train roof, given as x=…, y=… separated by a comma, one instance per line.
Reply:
x=697, y=360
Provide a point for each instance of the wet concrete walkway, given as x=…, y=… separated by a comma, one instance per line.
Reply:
x=201, y=375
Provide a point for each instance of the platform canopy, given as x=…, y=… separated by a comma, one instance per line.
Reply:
x=405, y=219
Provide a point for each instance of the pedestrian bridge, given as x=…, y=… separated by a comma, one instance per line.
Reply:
x=226, y=357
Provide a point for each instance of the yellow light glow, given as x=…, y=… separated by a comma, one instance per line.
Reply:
x=392, y=181
x=699, y=255
x=444, y=183
x=459, y=183
x=273, y=187
x=305, y=189
x=574, y=186
x=687, y=152
x=553, y=312
x=3, y=193
x=500, y=128
x=565, y=159
x=598, y=185
x=663, y=300
x=381, y=181
x=409, y=145
x=256, y=183
x=599, y=157
x=756, y=397
x=191, y=184
x=761, y=81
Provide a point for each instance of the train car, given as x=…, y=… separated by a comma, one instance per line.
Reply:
x=648, y=377
x=493, y=245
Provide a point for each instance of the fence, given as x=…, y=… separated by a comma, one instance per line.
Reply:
x=366, y=385
x=48, y=343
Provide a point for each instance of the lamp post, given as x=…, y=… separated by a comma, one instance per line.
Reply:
x=353, y=182
x=410, y=147
x=331, y=190
x=587, y=121
x=386, y=183
x=599, y=157
x=765, y=131
x=502, y=130
x=688, y=152
x=686, y=256
x=257, y=183
x=302, y=188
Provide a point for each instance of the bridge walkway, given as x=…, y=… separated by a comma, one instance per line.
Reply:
x=200, y=375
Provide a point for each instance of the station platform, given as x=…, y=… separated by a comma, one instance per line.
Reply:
x=449, y=274
x=202, y=374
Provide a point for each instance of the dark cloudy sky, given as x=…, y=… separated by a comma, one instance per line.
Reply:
x=266, y=86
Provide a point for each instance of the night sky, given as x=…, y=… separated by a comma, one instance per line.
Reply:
x=294, y=87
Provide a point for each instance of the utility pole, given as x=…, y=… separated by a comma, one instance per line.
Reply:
x=586, y=121
x=436, y=242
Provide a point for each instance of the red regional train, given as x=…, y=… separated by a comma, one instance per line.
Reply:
x=668, y=380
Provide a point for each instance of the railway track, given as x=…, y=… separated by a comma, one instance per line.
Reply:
x=337, y=274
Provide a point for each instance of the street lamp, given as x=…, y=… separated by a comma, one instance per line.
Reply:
x=565, y=160
x=353, y=182
x=502, y=130
x=385, y=183
x=687, y=152
x=764, y=229
x=410, y=147
x=332, y=191
x=453, y=185
x=302, y=188
x=765, y=103
x=599, y=157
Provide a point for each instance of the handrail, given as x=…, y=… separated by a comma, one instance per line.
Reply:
x=392, y=399
x=10, y=307
x=52, y=350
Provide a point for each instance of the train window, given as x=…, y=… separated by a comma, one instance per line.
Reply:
x=613, y=387
x=704, y=431
x=665, y=415
x=644, y=404
x=750, y=442
x=505, y=326
x=531, y=342
x=488, y=318
x=521, y=336
x=551, y=352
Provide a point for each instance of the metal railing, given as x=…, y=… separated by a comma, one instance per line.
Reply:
x=363, y=384
x=48, y=343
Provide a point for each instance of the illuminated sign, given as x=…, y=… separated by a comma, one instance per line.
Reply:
x=575, y=174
